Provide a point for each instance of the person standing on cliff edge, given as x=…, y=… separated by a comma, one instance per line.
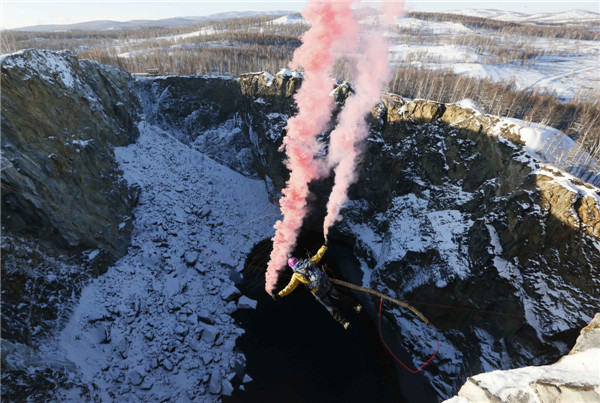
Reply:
x=317, y=281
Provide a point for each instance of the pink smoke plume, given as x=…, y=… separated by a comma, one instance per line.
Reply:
x=332, y=24
x=345, y=147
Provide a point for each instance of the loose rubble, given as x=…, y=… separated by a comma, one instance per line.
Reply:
x=157, y=326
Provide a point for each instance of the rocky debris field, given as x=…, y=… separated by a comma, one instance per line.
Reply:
x=157, y=325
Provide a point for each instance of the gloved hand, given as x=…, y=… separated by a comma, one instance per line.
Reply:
x=326, y=240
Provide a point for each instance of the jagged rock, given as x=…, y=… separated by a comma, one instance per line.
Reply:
x=215, y=381
x=98, y=315
x=247, y=378
x=589, y=337
x=195, y=345
x=190, y=258
x=100, y=334
x=210, y=334
x=230, y=308
x=205, y=212
x=448, y=208
x=200, y=268
x=123, y=348
x=207, y=358
x=135, y=378
x=167, y=364
x=147, y=385
x=205, y=316
x=246, y=303
x=181, y=330
x=226, y=388
x=192, y=320
x=230, y=293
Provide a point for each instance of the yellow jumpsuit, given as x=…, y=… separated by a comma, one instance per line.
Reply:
x=298, y=278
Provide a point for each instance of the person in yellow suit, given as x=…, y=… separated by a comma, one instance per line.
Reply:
x=306, y=272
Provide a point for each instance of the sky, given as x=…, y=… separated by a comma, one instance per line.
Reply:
x=20, y=13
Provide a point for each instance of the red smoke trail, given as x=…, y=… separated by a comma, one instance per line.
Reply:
x=331, y=24
x=346, y=140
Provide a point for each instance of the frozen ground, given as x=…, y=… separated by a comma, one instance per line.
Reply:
x=158, y=323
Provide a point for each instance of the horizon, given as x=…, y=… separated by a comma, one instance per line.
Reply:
x=23, y=14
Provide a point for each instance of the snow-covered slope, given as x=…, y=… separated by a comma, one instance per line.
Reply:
x=290, y=19
x=166, y=305
x=574, y=378
x=580, y=17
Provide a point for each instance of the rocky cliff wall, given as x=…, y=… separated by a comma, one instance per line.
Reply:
x=452, y=212
x=61, y=118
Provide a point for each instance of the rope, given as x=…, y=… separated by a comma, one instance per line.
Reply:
x=382, y=296
x=396, y=358
x=397, y=302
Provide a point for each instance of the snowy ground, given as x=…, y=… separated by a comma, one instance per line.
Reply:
x=565, y=66
x=158, y=323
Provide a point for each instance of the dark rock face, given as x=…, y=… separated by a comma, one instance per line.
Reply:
x=60, y=119
x=492, y=247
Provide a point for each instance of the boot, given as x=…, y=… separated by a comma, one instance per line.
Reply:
x=339, y=318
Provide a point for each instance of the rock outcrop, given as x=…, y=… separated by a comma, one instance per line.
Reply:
x=574, y=378
x=60, y=120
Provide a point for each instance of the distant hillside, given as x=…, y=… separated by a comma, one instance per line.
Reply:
x=108, y=25
x=580, y=17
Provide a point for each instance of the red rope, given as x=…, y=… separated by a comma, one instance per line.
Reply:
x=397, y=359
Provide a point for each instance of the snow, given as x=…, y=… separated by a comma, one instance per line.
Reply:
x=413, y=227
x=155, y=284
x=44, y=63
x=494, y=240
x=290, y=19
x=564, y=66
x=571, y=371
x=563, y=17
x=468, y=103
x=269, y=77
x=82, y=143
x=203, y=31
x=289, y=73
x=436, y=27
x=426, y=54
x=552, y=146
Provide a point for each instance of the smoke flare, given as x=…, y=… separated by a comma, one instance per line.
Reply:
x=332, y=23
x=345, y=148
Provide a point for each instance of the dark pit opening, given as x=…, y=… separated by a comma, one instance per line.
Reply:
x=296, y=352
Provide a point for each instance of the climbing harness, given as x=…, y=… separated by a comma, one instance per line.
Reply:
x=317, y=280
x=400, y=303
